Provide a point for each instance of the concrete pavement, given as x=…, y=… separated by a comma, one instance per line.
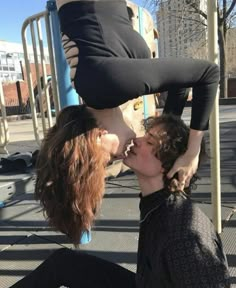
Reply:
x=26, y=240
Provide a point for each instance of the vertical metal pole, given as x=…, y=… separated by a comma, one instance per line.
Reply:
x=141, y=31
x=29, y=80
x=67, y=94
x=38, y=77
x=214, y=119
x=45, y=91
x=55, y=91
x=4, y=132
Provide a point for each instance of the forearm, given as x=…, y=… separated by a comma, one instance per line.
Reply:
x=202, y=76
x=194, y=142
x=204, y=96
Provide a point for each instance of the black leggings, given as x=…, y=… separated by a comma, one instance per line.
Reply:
x=114, y=63
x=76, y=269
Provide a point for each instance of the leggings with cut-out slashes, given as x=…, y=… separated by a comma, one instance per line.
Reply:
x=111, y=64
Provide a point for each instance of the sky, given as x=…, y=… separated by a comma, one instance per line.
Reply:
x=14, y=12
x=12, y=15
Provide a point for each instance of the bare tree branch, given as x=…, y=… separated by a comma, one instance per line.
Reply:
x=226, y=12
x=186, y=18
x=231, y=7
x=196, y=9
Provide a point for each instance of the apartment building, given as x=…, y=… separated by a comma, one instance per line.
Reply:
x=231, y=52
x=12, y=60
x=181, y=31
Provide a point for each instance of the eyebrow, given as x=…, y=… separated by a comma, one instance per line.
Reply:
x=151, y=135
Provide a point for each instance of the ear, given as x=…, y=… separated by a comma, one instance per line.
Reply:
x=103, y=132
x=162, y=170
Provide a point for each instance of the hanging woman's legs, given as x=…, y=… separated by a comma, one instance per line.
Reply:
x=117, y=80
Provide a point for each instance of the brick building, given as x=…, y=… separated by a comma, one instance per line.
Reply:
x=13, y=75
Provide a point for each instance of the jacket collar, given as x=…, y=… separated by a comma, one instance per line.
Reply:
x=152, y=202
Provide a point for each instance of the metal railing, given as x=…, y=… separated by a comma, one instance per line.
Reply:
x=38, y=45
x=4, y=132
x=214, y=120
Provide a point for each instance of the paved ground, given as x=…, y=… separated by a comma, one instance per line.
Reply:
x=26, y=240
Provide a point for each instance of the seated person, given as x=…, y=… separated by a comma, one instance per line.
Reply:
x=178, y=246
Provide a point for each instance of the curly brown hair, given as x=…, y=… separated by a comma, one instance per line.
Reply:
x=172, y=141
x=71, y=172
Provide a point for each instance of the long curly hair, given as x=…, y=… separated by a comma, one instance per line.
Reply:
x=172, y=141
x=71, y=172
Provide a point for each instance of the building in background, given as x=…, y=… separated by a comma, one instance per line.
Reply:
x=13, y=76
x=182, y=32
x=12, y=61
x=231, y=52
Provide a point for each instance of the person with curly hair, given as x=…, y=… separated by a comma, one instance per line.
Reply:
x=178, y=245
x=111, y=64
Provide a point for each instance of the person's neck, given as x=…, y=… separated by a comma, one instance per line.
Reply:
x=113, y=121
x=103, y=115
x=150, y=185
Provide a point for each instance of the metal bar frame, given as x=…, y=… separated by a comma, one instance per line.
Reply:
x=213, y=55
x=32, y=22
x=4, y=132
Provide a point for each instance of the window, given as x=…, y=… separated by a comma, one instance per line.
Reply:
x=20, y=55
x=9, y=59
x=19, y=76
x=3, y=59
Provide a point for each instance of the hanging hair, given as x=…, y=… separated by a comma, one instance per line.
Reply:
x=71, y=172
x=172, y=142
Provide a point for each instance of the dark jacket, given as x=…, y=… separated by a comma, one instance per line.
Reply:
x=178, y=246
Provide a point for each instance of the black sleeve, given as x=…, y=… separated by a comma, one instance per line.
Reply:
x=205, y=80
x=193, y=264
